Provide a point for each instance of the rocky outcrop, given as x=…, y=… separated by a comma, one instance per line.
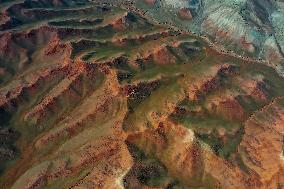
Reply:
x=89, y=154
x=248, y=28
x=150, y=2
x=262, y=144
x=84, y=84
x=210, y=81
x=163, y=55
x=185, y=14
x=195, y=164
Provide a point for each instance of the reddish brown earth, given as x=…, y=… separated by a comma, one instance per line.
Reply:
x=125, y=103
x=185, y=14
x=150, y=2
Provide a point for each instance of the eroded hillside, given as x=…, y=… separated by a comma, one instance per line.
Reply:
x=97, y=96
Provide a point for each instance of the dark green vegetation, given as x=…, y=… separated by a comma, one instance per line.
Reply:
x=148, y=171
x=77, y=79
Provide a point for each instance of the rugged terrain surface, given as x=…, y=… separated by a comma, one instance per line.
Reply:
x=250, y=28
x=98, y=96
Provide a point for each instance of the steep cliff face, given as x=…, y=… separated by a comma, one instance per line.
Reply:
x=95, y=95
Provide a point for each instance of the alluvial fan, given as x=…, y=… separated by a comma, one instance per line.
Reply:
x=96, y=94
